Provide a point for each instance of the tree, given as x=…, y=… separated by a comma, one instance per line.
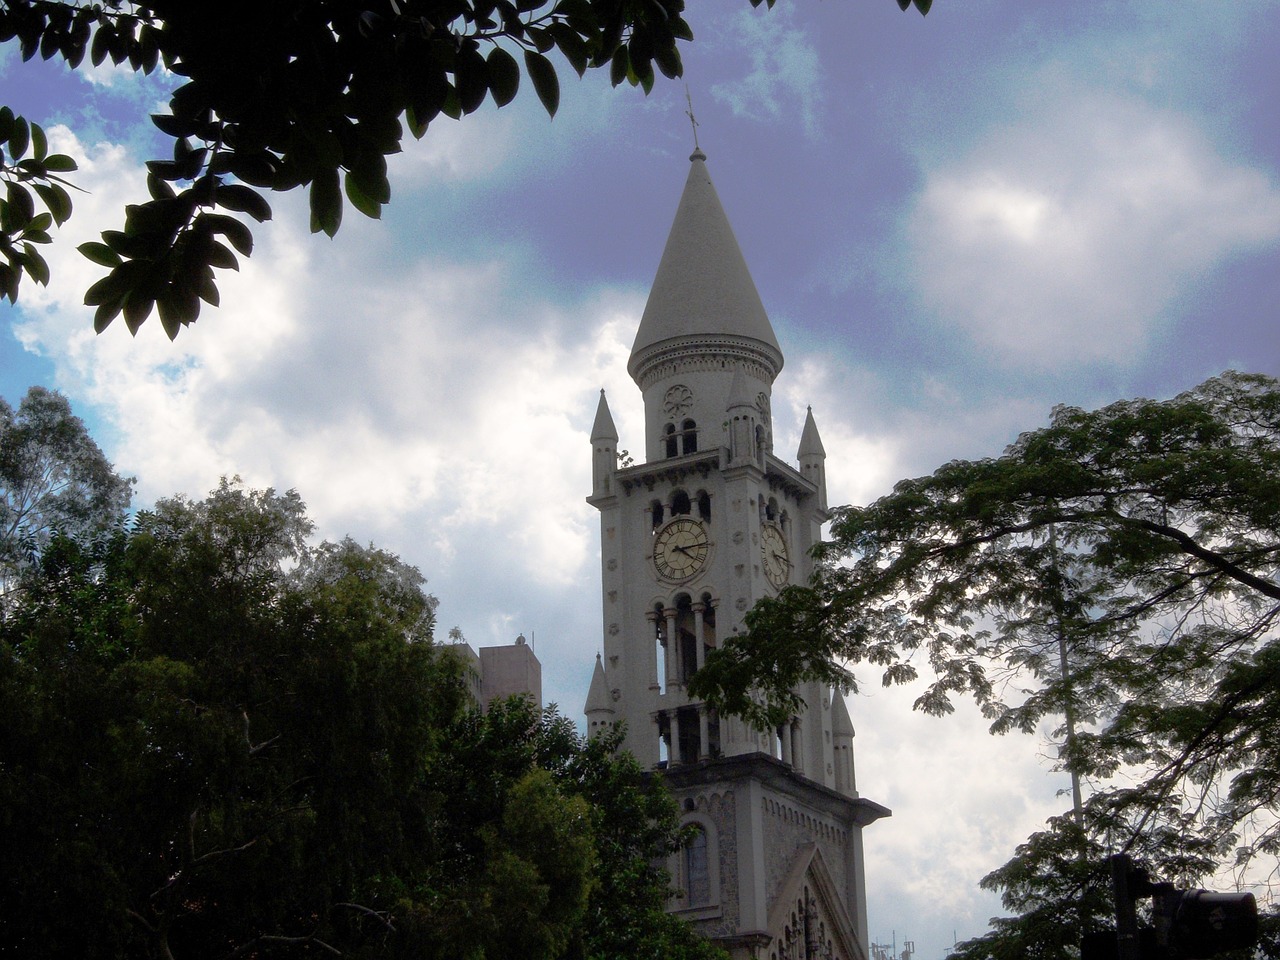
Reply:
x=1143, y=540
x=223, y=742
x=53, y=477
x=291, y=94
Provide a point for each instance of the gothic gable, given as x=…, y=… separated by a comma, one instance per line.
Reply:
x=808, y=920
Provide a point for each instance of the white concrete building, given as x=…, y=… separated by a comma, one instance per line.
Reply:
x=711, y=521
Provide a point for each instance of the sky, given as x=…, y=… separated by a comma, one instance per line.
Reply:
x=955, y=223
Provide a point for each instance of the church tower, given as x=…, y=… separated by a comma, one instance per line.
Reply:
x=710, y=522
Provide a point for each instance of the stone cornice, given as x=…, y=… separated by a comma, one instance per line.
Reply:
x=680, y=355
x=648, y=475
x=780, y=777
x=781, y=475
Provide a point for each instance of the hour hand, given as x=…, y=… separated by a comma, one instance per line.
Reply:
x=679, y=549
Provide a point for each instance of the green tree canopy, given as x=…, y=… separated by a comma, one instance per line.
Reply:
x=53, y=477
x=222, y=742
x=1139, y=547
x=290, y=94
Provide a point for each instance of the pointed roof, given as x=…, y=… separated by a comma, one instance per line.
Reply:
x=841, y=722
x=739, y=393
x=810, y=442
x=703, y=288
x=598, y=698
x=603, y=428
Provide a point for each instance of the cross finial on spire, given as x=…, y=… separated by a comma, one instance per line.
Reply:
x=689, y=113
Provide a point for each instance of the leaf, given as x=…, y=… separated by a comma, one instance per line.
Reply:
x=667, y=57
x=504, y=76
x=545, y=82
x=619, y=66
x=100, y=254
x=39, y=224
x=19, y=139
x=172, y=126
x=36, y=266
x=101, y=46
x=105, y=313
x=9, y=278
x=59, y=163
x=326, y=203
x=177, y=310
x=159, y=189
x=218, y=255
x=572, y=45
x=21, y=207
x=237, y=234
x=137, y=307
x=242, y=199
x=360, y=200
x=39, y=145
x=471, y=78
x=56, y=199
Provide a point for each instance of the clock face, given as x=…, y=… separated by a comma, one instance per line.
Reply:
x=774, y=556
x=680, y=549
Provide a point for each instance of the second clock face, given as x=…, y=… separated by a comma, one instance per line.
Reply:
x=774, y=556
x=680, y=549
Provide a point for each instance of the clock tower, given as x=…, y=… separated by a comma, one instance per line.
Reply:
x=710, y=522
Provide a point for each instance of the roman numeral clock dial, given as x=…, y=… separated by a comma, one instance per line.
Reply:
x=775, y=558
x=680, y=549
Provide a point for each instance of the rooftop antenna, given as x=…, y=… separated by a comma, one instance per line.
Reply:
x=689, y=113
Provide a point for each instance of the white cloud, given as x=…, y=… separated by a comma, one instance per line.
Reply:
x=959, y=809
x=1066, y=237
x=785, y=73
x=397, y=395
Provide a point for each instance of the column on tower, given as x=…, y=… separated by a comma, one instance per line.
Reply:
x=673, y=649
x=653, y=617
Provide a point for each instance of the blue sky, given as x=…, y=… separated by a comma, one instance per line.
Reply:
x=954, y=222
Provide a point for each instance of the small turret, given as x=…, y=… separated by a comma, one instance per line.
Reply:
x=599, y=709
x=842, y=742
x=813, y=459
x=604, y=450
x=743, y=439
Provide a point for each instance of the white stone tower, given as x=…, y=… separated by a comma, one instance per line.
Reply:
x=710, y=522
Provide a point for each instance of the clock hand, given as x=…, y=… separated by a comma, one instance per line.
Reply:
x=679, y=549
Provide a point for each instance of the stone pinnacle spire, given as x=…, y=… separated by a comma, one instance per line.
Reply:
x=603, y=428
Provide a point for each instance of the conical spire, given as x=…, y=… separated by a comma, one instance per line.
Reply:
x=603, y=428
x=598, y=700
x=810, y=442
x=703, y=289
x=841, y=722
x=739, y=393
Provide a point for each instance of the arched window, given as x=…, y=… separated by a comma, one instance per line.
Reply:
x=660, y=646
x=771, y=509
x=708, y=621
x=686, y=630
x=704, y=505
x=689, y=435
x=658, y=512
x=680, y=506
x=672, y=441
x=697, y=869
